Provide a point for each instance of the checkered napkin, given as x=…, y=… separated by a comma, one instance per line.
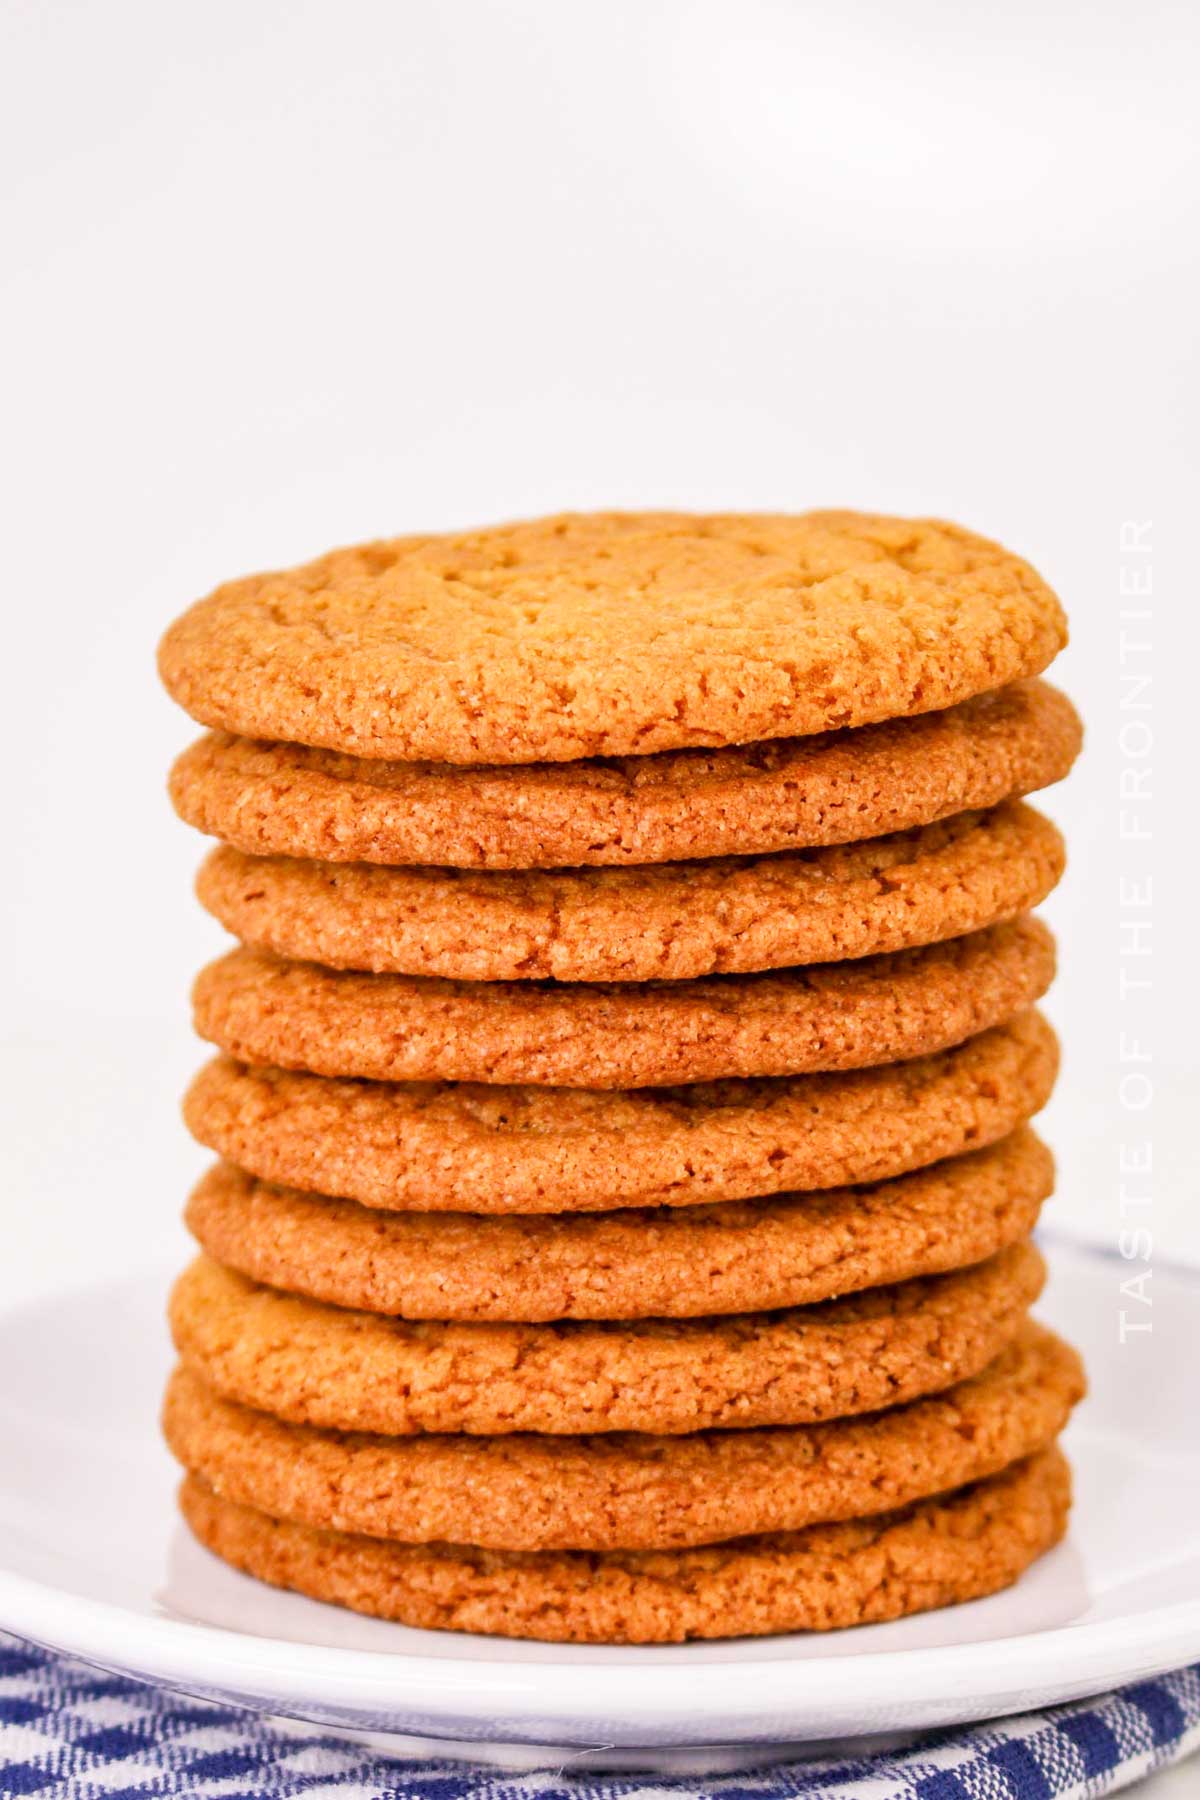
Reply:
x=68, y=1731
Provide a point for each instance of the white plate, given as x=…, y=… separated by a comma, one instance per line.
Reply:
x=93, y=1561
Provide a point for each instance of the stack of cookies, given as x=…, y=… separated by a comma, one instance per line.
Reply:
x=621, y=1231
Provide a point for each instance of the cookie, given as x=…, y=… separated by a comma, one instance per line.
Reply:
x=669, y=921
x=430, y=1147
x=275, y=799
x=353, y=1371
x=612, y=634
x=739, y=1256
x=626, y=1491
x=262, y=1009
x=938, y=1552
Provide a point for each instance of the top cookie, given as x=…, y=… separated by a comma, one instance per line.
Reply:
x=612, y=634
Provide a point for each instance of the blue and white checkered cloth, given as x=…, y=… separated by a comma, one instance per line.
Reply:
x=68, y=1731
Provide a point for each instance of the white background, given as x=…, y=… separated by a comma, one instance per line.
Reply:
x=277, y=277
x=274, y=277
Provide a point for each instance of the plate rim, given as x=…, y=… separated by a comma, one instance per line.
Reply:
x=1030, y=1655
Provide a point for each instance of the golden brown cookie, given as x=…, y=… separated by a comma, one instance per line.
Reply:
x=273, y=799
x=354, y=1371
x=626, y=1491
x=666, y=921
x=263, y=1009
x=612, y=634
x=430, y=1147
x=741, y=1256
x=936, y=1553
x=738, y=1256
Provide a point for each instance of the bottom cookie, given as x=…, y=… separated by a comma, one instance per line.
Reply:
x=936, y=1553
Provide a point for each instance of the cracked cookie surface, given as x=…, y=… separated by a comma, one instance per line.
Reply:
x=612, y=634
x=664, y=1262
x=936, y=1553
x=273, y=799
x=427, y=1146
x=622, y=1490
x=666, y=921
x=261, y=1008
x=312, y=1364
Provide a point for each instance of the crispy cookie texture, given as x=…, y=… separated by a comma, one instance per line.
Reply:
x=424, y=1146
x=272, y=799
x=937, y=1553
x=663, y=1262
x=627, y=1491
x=261, y=1008
x=312, y=1364
x=612, y=634
x=666, y=921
